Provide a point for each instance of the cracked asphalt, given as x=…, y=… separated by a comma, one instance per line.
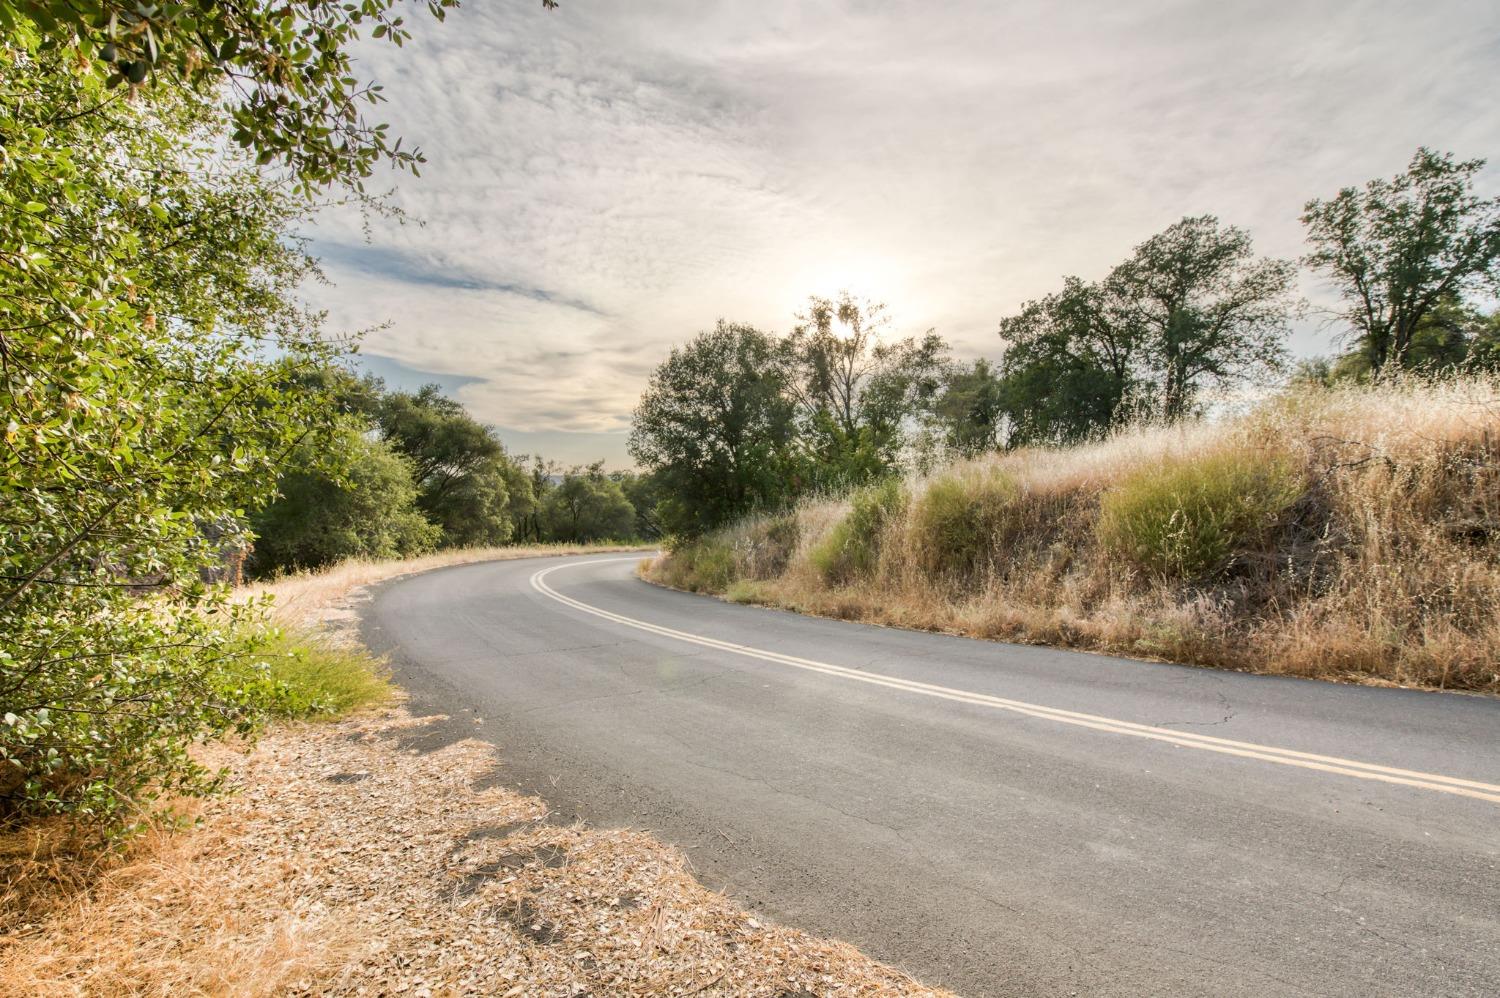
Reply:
x=993, y=853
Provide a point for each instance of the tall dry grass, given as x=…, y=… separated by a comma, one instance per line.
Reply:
x=1348, y=533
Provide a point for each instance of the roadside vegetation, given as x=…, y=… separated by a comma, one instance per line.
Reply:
x=1141, y=471
x=410, y=473
x=1350, y=532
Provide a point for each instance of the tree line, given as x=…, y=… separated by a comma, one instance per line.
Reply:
x=404, y=473
x=740, y=419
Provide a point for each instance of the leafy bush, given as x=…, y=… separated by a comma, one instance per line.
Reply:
x=153, y=339
x=1189, y=518
x=365, y=509
x=956, y=523
x=103, y=735
x=852, y=547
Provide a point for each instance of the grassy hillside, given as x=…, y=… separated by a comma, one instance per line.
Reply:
x=1349, y=533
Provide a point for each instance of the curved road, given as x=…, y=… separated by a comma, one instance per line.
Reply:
x=999, y=819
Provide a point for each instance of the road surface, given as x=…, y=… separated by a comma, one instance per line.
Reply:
x=998, y=819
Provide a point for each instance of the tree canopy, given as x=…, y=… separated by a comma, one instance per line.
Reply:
x=1067, y=370
x=1192, y=308
x=1207, y=311
x=970, y=410
x=292, y=92
x=588, y=505
x=857, y=393
x=1399, y=249
x=716, y=427
x=464, y=478
x=362, y=506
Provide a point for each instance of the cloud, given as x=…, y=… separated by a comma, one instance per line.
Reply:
x=438, y=271
x=607, y=179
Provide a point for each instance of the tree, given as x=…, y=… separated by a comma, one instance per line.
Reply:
x=462, y=473
x=477, y=511
x=540, y=477
x=1068, y=371
x=1397, y=249
x=645, y=494
x=716, y=428
x=1208, y=312
x=970, y=412
x=587, y=505
x=1452, y=337
x=145, y=278
x=365, y=507
x=1484, y=344
x=285, y=67
x=856, y=393
x=520, y=500
x=1192, y=308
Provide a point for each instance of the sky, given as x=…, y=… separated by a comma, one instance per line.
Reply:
x=607, y=179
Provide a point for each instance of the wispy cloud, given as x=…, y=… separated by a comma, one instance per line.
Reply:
x=402, y=267
x=607, y=179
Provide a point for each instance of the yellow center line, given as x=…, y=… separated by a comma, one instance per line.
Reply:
x=1227, y=746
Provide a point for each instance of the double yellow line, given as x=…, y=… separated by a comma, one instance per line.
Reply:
x=1248, y=750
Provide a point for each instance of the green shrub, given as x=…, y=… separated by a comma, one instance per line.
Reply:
x=852, y=547
x=1190, y=518
x=307, y=674
x=958, y=522
x=365, y=508
x=105, y=737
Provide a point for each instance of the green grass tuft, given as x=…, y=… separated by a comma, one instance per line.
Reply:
x=1188, y=519
x=705, y=565
x=961, y=522
x=747, y=591
x=306, y=674
x=852, y=547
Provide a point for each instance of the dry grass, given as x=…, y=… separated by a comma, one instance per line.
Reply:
x=1384, y=567
x=348, y=865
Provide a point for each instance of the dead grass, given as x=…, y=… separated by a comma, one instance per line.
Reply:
x=1384, y=568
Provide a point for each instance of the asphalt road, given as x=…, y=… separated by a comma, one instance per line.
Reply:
x=999, y=819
